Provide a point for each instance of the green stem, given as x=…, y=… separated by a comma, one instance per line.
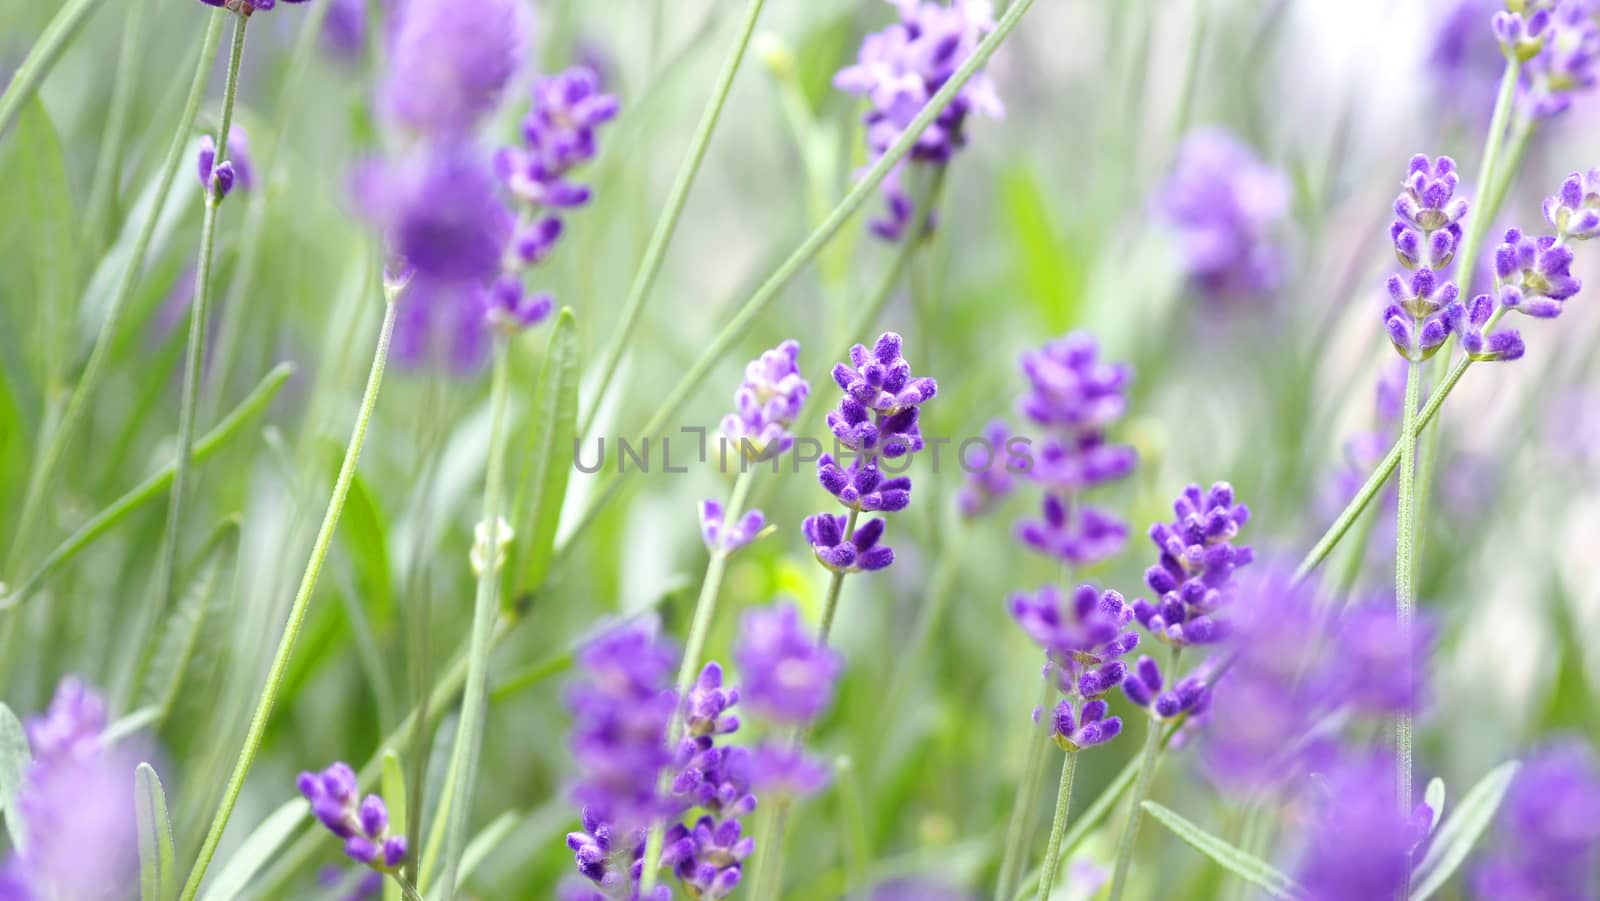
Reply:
x=1141, y=789
x=474, y=698
x=1405, y=581
x=1478, y=220
x=297, y=610
x=717, y=349
x=42, y=58
x=224, y=432
x=196, y=350
x=656, y=251
x=1017, y=832
x=103, y=189
x=705, y=612
x=830, y=605
x=94, y=370
x=772, y=821
x=1058, y=827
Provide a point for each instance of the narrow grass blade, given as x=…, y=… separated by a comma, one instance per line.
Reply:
x=1241, y=863
x=1456, y=836
x=14, y=760
x=158, y=877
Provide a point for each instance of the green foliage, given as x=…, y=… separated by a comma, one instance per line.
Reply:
x=1461, y=830
x=1246, y=866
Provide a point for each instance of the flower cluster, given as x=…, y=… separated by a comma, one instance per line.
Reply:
x=707, y=855
x=1574, y=210
x=363, y=823
x=1426, y=232
x=1144, y=687
x=75, y=795
x=1084, y=638
x=1558, y=45
x=1549, y=843
x=465, y=230
x=789, y=678
x=723, y=536
x=877, y=419
x=899, y=69
x=1074, y=396
x=767, y=403
x=1360, y=845
x=1224, y=205
x=1198, y=557
x=220, y=177
x=621, y=708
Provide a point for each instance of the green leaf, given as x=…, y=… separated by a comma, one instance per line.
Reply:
x=14, y=760
x=1051, y=270
x=158, y=875
x=257, y=851
x=394, y=797
x=1461, y=831
x=484, y=843
x=47, y=207
x=1434, y=798
x=181, y=635
x=365, y=538
x=1246, y=866
x=544, y=479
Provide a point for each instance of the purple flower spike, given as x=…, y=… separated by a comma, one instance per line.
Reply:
x=1534, y=275
x=335, y=800
x=767, y=403
x=788, y=676
x=707, y=857
x=860, y=552
x=1224, y=205
x=1089, y=727
x=1081, y=535
x=448, y=64
x=787, y=771
x=559, y=136
x=862, y=486
x=1360, y=845
x=1564, y=42
x=1574, y=210
x=722, y=537
x=71, y=728
x=899, y=69
x=1197, y=562
x=1548, y=845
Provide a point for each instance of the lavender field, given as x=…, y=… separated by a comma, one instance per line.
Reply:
x=884, y=450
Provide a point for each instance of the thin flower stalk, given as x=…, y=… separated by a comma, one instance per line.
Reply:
x=1149, y=760
x=297, y=610
x=1018, y=833
x=1058, y=826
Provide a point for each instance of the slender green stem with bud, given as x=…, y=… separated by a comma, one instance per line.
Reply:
x=1058, y=826
x=1405, y=582
x=1148, y=758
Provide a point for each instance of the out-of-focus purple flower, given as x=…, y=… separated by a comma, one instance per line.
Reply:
x=1197, y=562
x=767, y=403
x=722, y=537
x=1463, y=64
x=787, y=771
x=448, y=63
x=788, y=675
x=1144, y=687
x=1376, y=665
x=1084, y=729
x=1360, y=846
x=1079, y=534
x=367, y=886
x=900, y=68
x=989, y=482
x=441, y=214
x=363, y=823
x=344, y=29
x=76, y=794
x=621, y=707
x=1565, y=40
x=1225, y=205
x=1070, y=387
x=915, y=888
x=559, y=135
x=1574, y=210
x=859, y=552
x=1549, y=832
x=1534, y=275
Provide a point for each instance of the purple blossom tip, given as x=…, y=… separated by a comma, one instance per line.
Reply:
x=788, y=676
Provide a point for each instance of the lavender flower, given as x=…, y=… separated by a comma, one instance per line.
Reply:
x=221, y=177
x=708, y=855
x=787, y=771
x=71, y=727
x=899, y=69
x=863, y=487
x=1359, y=845
x=720, y=536
x=1070, y=387
x=1143, y=686
x=989, y=483
x=1085, y=729
x=1198, y=560
x=857, y=552
x=1426, y=232
x=621, y=709
x=1574, y=210
x=1549, y=833
x=1564, y=40
x=1080, y=535
x=767, y=403
x=449, y=63
x=442, y=217
x=363, y=823
x=1224, y=205
x=559, y=135
x=788, y=675
x=1534, y=275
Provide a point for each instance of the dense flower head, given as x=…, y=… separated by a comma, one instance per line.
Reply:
x=1548, y=847
x=621, y=706
x=1086, y=728
x=787, y=771
x=1426, y=233
x=722, y=536
x=1224, y=205
x=1359, y=845
x=1070, y=387
x=442, y=216
x=840, y=550
x=707, y=855
x=1083, y=636
x=788, y=674
x=558, y=136
x=1198, y=558
x=767, y=403
x=1574, y=210
x=235, y=167
x=862, y=485
x=1144, y=687
x=900, y=68
x=448, y=63
x=1078, y=534
x=715, y=778
x=1534, y=274
x=363, y=823
x=1564, y=39
x=76, y=794
x=878, y=413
